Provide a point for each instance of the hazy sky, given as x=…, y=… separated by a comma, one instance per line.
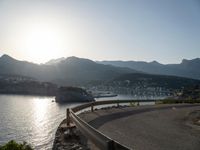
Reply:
x=39, y=30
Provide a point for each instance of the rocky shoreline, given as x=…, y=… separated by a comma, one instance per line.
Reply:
x=69, y=138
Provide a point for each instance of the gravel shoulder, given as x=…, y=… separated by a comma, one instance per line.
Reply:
x=155, y=127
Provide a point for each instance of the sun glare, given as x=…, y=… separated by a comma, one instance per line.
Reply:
x=43, y=42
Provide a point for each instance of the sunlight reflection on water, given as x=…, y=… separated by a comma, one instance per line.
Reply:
x=33, y=119
x=40, y=110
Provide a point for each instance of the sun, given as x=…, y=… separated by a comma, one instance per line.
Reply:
x=43, y=42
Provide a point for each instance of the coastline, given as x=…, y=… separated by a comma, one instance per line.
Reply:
x=27, y=94
x=69, y=138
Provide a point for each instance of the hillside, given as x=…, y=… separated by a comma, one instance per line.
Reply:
x=14, y=84
x=140, y=84
x=149, y=80
x=69, y=71
x=187, y=68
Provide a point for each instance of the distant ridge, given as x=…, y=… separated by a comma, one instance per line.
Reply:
x=55, y=61
x=6, y=58
x=187, y=68
x=79, y=71
x=68, y=71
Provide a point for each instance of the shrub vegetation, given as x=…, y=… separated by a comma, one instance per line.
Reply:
x=13, y=145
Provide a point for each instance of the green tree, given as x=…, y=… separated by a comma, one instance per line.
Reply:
x=12, y=145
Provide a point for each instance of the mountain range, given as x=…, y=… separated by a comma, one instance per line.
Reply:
x=69, y=71
x=187, y=68
x=79, y=71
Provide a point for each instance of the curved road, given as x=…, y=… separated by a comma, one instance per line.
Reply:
x=157, y=127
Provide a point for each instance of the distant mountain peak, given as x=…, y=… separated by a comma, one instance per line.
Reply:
x=72, y=58
x=186, y=61
x=6, y=57
x=55, y=61
x=77, y=59
x=155, y=63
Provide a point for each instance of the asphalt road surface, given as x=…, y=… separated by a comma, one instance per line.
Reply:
x=156, y=127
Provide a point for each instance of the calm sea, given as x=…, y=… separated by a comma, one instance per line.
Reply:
x=33, y=119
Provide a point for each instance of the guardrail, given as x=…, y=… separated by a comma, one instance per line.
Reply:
x=99, y=139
